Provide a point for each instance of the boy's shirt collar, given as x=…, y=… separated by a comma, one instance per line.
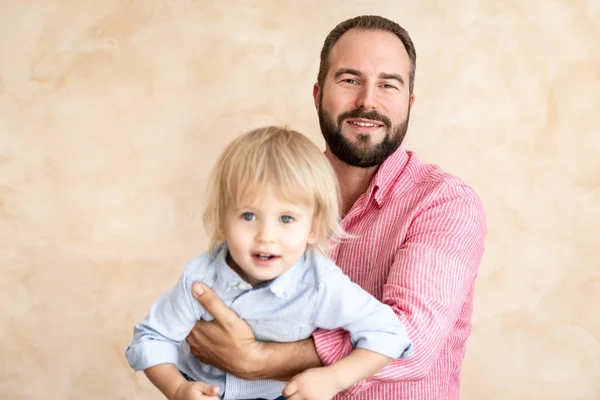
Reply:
x=230, y=281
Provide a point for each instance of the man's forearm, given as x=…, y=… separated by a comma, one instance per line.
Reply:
x=282, y=361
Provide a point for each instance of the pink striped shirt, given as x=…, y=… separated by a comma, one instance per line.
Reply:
x=421, y=238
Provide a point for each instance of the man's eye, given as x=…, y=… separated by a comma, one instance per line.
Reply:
x=248, y=216
x=351, y=81
x=286, y=219
x=388, y=86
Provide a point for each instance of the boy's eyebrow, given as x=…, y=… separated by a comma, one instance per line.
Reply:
x=282, y=211
x=355, y=72
x=288, y=211
x=242, y=207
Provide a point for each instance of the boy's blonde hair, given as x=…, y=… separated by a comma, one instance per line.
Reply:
x=290, y=163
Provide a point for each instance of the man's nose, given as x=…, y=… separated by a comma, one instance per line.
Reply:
x=367, y=99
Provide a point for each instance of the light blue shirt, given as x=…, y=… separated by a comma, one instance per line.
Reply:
x=312, y=294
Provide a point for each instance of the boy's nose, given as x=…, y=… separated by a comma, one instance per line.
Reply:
x=266, y=233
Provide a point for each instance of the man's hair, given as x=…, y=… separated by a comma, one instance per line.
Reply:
x=288, y=162
x=367, y=22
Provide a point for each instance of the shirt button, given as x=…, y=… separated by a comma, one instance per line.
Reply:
x=242, y=286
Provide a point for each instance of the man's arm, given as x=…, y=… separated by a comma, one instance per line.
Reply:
x=228, y=343
x=427, y=286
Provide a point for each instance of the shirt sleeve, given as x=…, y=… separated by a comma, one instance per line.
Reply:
x=371, y=324
x=170, y=320
x=428, y=284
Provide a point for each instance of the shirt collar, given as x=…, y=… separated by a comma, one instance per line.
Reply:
x=281, y=285
x=229, y=280
x=386, y=176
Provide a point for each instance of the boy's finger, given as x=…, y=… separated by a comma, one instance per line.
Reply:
x=290, y=388
x=208, y=390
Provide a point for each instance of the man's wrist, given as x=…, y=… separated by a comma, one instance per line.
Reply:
x=253, y=367
x=277, y=361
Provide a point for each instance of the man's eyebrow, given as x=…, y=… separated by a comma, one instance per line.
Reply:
x=355, y=72
x=397, y=77
x=349, y=71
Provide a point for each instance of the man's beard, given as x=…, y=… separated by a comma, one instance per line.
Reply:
x=354, y=155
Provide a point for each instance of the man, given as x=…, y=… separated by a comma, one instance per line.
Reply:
x=420, y=230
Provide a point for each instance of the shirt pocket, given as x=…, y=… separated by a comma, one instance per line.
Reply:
x=280, y=330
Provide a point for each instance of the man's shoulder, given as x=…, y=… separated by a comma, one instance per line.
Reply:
x=428, y=173
x=418, y=186
x=435, y=187
x=428, y=180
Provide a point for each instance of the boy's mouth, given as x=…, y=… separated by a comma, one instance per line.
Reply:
x=265, y=256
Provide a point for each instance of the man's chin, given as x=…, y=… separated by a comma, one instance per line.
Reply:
x=364, y=144
x=351, y=132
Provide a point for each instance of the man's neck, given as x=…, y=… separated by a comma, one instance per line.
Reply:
x=353, y=181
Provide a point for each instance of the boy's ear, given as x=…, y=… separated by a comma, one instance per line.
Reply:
x=313, y=235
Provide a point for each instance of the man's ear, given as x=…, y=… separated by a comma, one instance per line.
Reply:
x=316, y=95
x=411, y=102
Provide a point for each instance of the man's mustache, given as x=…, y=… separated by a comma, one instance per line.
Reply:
x=358, y=113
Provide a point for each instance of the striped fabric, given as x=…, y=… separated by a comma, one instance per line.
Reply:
x=422, y=235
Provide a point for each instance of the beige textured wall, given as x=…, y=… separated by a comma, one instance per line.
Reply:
x=111, y=114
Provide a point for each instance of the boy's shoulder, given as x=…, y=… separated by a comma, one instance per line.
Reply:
x=326, y=280
x=321, y=270
x=201, y=268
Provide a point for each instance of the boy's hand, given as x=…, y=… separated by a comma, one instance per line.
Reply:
x=196, y=391
x=313, y=384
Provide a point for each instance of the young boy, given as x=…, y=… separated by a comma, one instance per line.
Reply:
x=272, y=211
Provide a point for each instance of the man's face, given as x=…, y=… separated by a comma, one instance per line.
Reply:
x=364, y=104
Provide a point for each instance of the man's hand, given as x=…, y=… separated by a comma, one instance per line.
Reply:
x=228, y=342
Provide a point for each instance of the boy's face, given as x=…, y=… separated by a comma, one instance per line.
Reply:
x=267, y=235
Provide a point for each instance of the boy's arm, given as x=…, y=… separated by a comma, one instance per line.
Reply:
x=375, y=332
x=371, y=325
x=358, y=365
x=168, y=322
x=328, y=381
x=168, y=379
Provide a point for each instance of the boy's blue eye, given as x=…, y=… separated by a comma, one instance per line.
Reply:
x=248, y=216
x=286, y=219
